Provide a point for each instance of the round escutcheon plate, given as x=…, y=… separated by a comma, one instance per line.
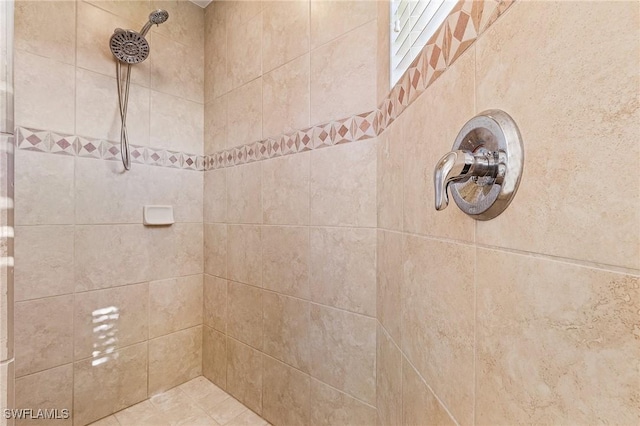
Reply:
x=494, y=131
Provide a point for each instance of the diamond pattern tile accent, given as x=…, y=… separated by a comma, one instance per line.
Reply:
x=275, y=147
x=343, y=131
x=57, y=143
x=200, y=163
x=400, y=96
x=305, y=140
x=221, y=159
x=436, y=62
x=416, y=77
x=323, y=135
x=252, y=152
x=138, y=154
x=190, y=161
x=155, y=157
x=362, y=126
x=262, y=150
x=228, y=158
x=491, y=10
x=378, y=123
x=289, y=144
x=240, y=155
x=387, y=110
x=110, y=151
x=208, y=162
x=33, y=140
x=462, y=34
x=88, y=148
x=62, y=144
x=173, y=159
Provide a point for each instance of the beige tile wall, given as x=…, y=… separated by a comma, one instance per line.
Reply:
x=528, y=318
x=289, y=289
x=275, y=66
x=310, y=314
x=108, y=312
x=7, y=157
x=290, y=243
x=68, y=59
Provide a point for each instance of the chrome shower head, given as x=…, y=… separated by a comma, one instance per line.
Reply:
x=129, y=46
x=156, y=17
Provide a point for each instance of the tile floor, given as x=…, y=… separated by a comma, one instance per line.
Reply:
x=197, y=402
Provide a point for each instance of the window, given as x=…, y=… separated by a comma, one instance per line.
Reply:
x=413, y=22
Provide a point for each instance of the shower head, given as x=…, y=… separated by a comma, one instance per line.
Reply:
x=156, y=17
x=131, y=47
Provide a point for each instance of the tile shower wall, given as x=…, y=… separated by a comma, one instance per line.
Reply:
x=277, y=66
x=290, y=285
x=290, y=242
x=108, y=312
x=6, y=211
x=531, y=317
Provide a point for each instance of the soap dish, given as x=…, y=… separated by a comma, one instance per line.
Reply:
x=158, y=215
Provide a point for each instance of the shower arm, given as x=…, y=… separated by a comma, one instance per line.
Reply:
x=146, y=28
x=156, y=17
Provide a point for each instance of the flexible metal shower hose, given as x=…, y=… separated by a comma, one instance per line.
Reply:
x=123, y=101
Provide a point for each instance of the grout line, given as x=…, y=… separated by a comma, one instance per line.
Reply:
x=140, y=342
x=312, y=377
x=308, y=52
x=148, y=285
x=36, y=372
x=119, y=286
x=376, y=362
x=340, y=36
x=301, y=299
x=442, y=404
x=75, y=165
x=475, y=260
x=264, y=354
x=357, y=227
x=549, y=257
x=102, y=224
x=226, y=336
x=475, y=333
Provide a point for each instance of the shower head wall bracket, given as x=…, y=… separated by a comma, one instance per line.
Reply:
x=484, y=168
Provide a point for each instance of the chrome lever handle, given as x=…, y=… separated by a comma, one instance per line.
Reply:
x=453, y=166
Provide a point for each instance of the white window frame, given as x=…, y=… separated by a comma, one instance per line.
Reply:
x=413, y=22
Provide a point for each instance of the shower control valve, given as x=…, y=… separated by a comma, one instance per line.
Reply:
x=483, y=170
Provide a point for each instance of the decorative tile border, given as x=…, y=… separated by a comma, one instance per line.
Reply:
x=465, y=23
x=79, y=146
x=467, y=20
